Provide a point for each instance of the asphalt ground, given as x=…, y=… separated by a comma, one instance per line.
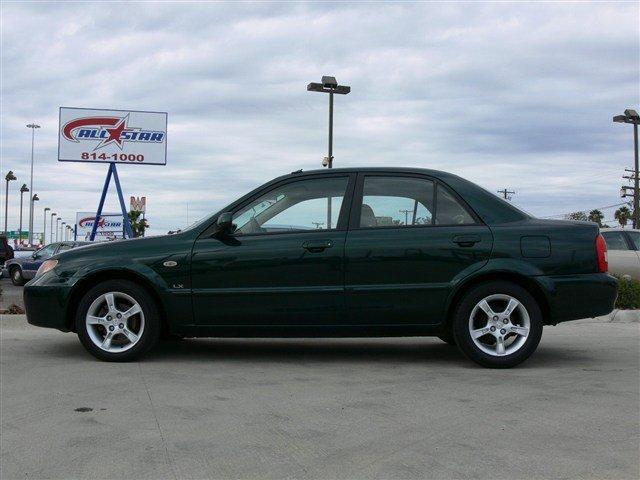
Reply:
x=321, y=409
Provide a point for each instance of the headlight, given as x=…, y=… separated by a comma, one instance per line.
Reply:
x=46, y=266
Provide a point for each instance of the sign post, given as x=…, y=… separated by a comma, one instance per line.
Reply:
x=112, y=136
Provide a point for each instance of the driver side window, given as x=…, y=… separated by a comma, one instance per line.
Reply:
x=302, y=205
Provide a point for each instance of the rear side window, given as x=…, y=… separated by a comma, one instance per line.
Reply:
x=615, y=241
x=396, y=202
x=449, y=211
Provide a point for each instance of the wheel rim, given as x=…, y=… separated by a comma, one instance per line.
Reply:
x=115, y=322
x=499, y=325
x=16, y=275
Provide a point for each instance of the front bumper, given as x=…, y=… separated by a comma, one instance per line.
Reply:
x=46, y=303
x=572, y=297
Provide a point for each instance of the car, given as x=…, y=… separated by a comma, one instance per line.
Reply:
x=624, y=251
x=24, y=266
x=371, y=252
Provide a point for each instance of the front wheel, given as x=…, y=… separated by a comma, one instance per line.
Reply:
x=117, y=321
x=16, y=277
x=498, y=324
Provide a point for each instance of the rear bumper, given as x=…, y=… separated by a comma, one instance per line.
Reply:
x=572, y=297
x=45, y=305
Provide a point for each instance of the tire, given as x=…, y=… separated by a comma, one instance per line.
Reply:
x=16, y=277
x=503, y=339
x=132, y=334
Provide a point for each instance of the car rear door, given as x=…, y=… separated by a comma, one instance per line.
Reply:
x=410, y=238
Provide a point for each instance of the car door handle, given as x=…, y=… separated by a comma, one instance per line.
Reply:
x=316, y=247
x=466, y=240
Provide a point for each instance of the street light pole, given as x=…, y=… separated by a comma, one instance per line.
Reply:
x=9, y=177
x=329, y=85
x=53, y=214
x=57, y=225
x=44, y=227
x=62, y=230
x=632, y=117
x=23, y=189
x=34, y=199
x=33, y=127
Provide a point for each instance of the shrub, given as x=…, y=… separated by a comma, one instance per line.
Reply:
x=628, y=294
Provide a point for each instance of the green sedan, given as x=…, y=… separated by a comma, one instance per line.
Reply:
x=336, y=253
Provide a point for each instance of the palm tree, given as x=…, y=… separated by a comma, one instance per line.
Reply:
x=138, y=224
x=623, y=214
x=596, y=216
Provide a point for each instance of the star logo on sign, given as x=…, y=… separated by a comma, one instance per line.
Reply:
x=114, y=134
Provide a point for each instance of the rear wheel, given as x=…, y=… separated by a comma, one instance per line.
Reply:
x=16, y=277
x=498, y=324
x=117, y=320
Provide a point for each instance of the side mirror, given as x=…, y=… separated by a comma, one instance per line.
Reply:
x=34, y=255
x=224, y=223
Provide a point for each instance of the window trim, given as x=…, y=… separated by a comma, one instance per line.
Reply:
x=356, y=206
x=341, y=225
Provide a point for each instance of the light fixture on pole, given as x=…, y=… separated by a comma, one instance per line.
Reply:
x=329, y=85
x=44, y=227
x=59, y=219
x=8, y=177
x=34, y=199
x=23, y=190
x=33, y=128
x=632, y=117
x=53, y=214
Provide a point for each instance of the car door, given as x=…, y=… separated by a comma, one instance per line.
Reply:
x=283, y=265
x=410, y=238
x=623, y=259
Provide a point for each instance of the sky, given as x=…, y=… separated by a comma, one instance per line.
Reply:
x=508, y=95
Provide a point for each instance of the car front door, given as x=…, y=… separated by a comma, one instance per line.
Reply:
x=31, y=264
x=623, y=258
x=283, y=263
x=410, y=238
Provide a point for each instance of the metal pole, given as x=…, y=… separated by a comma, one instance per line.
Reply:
x=44, y=228
x=6, y=206
x=20, y=226
x=31, y=205
x=33, y=134
x=51, y=233
x=330, y=164
x=636, y=196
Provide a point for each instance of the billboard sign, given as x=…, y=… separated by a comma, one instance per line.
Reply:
x=112, y=136
x=138, y=204
x=110, y=226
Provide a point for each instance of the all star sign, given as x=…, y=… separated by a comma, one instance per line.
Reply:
x=112, y=136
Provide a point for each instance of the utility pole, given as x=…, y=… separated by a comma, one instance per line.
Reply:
x=632, y=117
x=406, y=215
x=506, y=193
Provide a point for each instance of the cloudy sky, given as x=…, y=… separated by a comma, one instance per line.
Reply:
x=516, y=95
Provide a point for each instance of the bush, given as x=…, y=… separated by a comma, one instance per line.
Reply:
x=628, y=294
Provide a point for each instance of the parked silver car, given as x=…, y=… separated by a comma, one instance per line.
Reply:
x=624, y=251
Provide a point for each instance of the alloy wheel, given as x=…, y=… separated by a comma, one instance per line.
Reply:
x=115, y=322
x=499, y=325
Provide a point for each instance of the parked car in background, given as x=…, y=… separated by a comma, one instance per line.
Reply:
x=368, y=252
x=6, y=250
x=24, y=267
x=624, y=251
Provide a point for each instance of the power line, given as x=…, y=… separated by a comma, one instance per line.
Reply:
x=587, y=210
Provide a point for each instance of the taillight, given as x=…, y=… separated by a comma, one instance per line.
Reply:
x=601, y=253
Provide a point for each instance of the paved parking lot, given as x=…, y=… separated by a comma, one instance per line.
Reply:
x=339, y=408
